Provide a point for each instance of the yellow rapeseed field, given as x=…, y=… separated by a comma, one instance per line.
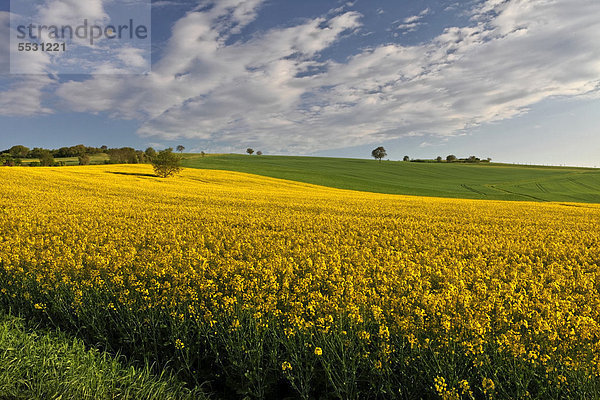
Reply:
x=461, y=291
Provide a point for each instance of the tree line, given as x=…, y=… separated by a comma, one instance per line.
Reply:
x=379, y=153
x=46, y=157
x=165, y=162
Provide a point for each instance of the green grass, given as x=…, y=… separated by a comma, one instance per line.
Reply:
x=456, y=180
x=49, y=365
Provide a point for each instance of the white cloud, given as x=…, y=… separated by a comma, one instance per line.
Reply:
x=252, y=78
x=131, y=57
x=409, y=27
x=166, y=3
x=28, y=62
x=5, y=43
x=24, y=97
x=412, y=23
x=71, y=12
x=89, y=54
x=274, y=91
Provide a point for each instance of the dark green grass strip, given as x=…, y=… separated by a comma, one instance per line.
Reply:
x=49, y=365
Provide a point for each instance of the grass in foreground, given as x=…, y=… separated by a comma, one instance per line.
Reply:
x=469, y=181
x=49, y=365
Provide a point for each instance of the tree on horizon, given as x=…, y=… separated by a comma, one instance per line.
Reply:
x=19, y=151
x=379, y=153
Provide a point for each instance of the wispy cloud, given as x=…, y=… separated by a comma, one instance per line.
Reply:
x=412, y=23
x=274, y=89
x=87, y=53
x=167, y=3
x=203, y=87
x=25, y=97
x=4, y=44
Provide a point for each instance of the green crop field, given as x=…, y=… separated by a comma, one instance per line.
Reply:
x=456, y=180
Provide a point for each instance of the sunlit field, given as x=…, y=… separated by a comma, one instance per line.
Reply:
x=253, y=286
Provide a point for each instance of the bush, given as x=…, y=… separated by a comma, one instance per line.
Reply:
x=8, y=161
x=124, y=155
x=84, y=159
x=166, y=163
x=46, y=159
x=150, y=153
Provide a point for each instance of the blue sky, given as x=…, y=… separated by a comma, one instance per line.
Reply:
x=514, y=80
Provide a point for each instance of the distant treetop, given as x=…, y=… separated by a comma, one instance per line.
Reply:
x=379, y=153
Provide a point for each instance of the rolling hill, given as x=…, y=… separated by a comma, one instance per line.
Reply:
x=470, y=181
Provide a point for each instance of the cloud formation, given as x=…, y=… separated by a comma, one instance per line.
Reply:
x=88, y=30
x=72, y=12
x=4, y=44
x=22, y=95
x=412, y=23
x=278, y=90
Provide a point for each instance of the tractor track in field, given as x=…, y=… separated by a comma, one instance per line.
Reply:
x=473, y=190
x=519, y=194
x=585, y=185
